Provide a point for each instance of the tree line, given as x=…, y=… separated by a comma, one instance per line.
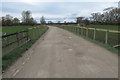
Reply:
x=110, y=16
x=27, y=19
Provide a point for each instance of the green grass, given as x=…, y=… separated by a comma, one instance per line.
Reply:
x=100, y=37
x=33, y=34
x=13, y=29
x=8, y=59
x=13, y=55
x=108, y=27
x=108, y=47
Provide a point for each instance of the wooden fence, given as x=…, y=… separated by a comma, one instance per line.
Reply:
x=110, y=37
x=15, y=40
x=106, y=33
x=19, y=38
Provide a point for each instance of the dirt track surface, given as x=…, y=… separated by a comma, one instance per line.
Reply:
x=61, y=54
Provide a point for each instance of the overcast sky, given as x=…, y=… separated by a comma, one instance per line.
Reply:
x=55, y=11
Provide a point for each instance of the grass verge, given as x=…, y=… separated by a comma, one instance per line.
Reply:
x=108, y=47
x=107, y=27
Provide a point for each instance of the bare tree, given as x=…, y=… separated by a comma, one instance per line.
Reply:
x=27, y=18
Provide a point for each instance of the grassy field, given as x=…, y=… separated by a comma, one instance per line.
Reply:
x=13, y=29
x=34, y=34
x=112, y=37
x=100, y=35
x=108, y=27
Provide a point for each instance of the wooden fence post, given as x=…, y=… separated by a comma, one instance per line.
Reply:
x=32, y=31
x=27, y=34
x=106, y=37
x=94, y=33
x=87, y=31
x=69, y=29
x=17, y=38
x=76, y=30
x=7, y=40
x=23, y=34
x=73, y=29
x=81, y=31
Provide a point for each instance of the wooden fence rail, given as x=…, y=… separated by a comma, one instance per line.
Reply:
x=17, y=39
x=106, y=33
x=95, y=33
x=113, y=31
